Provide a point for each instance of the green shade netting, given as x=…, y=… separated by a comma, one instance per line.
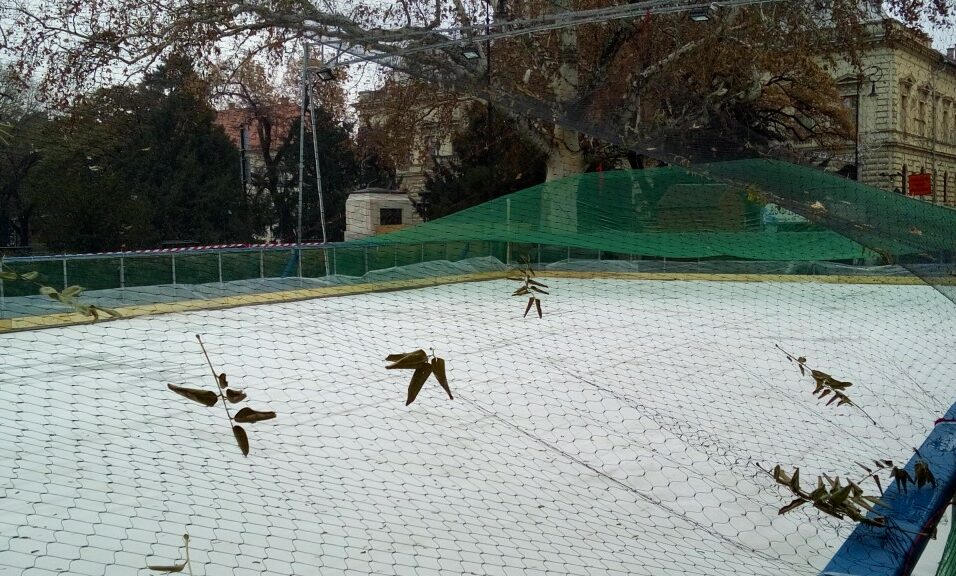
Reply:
x=713, y=211
x=947, y=564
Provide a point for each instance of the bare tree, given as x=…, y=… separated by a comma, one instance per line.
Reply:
x=644, y=76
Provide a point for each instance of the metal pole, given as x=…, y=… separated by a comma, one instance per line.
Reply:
x=318, y=171
x=262, y=271
x=3, y=300
x=298, y=232
x=122, y=278
x=65, y=282
x=220, y=269
x=856, y=137
x=174, y=269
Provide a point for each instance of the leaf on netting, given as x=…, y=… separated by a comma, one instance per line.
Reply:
x=109, y=311
x=418, y=380
x=857, y=491
x=235, y=396
x=513, y=279
x=879, y=485
x=835, y=398
x=438, y=367
x=538, y=290
x=528, y=308
x=249, y=416
x=818, y=206
x=536, y=283
x=840, y=496
x=818, y=494
x=172, y=568
x=833, y=483
x=825, y=392
x=9, y=275
x=864, y=467
x=50, y=291
x=795, y=480
x=802, y=360
x=839, y=384
x=901, y=476
x=865, y=503
x=409, y=360
x=30, y=276
x=924, y=475
x=223, y=383
x=803, y=371
x=780, y=476
x=886, y=463
x=537, y=303
x=792, y=506
x=520, y=291
x=204, y=397
x=241, y=439
x=71, y=291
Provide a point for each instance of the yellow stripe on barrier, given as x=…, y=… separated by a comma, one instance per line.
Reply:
x=71, y=318
x=67, y=319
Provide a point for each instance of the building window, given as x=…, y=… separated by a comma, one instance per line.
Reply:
x=944, y=134
x=921, y=118
x=390, y=216
x=849, y=104
x=904, y=112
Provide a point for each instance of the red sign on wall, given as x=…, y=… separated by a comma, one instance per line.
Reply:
x=920, y=185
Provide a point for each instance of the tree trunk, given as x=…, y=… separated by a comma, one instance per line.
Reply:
x=559, y=204
x=565, y=157
x=23, y=229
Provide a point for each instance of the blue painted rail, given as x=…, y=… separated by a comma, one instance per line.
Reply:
x=894, y=551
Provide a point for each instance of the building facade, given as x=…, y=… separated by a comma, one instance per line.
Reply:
x=903, y=101
x=429, y=135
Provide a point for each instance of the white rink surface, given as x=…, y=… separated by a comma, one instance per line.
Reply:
x=619, y=435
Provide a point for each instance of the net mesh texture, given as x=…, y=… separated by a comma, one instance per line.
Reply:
x=620, y=433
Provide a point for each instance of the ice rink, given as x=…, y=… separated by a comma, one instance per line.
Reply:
x=618, y=435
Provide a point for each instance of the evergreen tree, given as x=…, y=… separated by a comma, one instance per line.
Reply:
x=490, y=160
x=342, y=170
x=138, y=166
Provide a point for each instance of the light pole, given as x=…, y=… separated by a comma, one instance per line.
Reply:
x=860, y=77
x=308, y=100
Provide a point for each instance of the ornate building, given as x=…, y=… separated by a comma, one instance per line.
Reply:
x=903, y=99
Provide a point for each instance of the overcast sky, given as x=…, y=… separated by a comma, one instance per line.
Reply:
x=943, y=38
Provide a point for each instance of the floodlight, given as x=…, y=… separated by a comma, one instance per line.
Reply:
x=470, y=53
x=325, y=74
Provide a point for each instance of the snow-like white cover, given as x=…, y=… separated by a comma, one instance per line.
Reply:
x=619, y=435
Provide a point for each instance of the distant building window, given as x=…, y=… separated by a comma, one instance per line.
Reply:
x=850, y=104
x=390, y=216
x=921, y=118
x=944, y=133
x=904, y=113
